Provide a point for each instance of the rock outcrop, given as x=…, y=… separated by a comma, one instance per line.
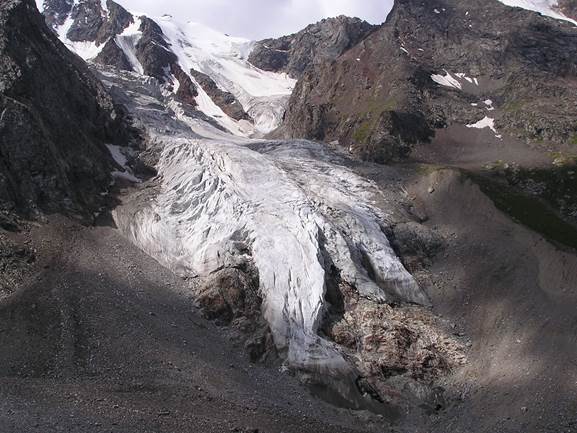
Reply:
x=225, y=100
x=318, y=43
x=91, y=20
x=439, y=63
x=568, y=8
x=55, y=118
x=56, y=12
x=102, y=24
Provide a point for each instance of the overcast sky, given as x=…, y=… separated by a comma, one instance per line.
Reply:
x=259, y=19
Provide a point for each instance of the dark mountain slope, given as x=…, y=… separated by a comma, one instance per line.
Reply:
x=55, y=119
x=380, y=97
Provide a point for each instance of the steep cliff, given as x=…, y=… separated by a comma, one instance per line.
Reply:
x=55, y=120
x=317, y=43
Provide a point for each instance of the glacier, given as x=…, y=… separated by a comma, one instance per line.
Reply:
x=224, y=198
x=292, y=209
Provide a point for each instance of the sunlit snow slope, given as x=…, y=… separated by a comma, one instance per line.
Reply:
x=263, y=95
x=544, y=7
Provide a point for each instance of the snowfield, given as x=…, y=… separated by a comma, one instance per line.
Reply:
x=262, y=94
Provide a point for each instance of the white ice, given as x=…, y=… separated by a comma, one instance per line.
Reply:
x=293, y=209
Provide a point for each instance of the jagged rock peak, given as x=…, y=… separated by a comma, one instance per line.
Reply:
x=319, y=42
x=88, y=20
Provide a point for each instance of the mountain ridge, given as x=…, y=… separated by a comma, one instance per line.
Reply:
x=474, y=63
x=429, y=294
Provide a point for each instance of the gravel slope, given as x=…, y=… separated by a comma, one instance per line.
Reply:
x=99, y=337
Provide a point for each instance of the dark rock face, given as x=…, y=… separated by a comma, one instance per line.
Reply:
x=158, y=61
x=153, y=52
x=112, y=55
x=88, y=19
x=55, y=118
x=379, y=99
x=225, y=100
x=57, y=11
x=117, y=20
x=320, y=42
x=91, y=22
x=187, y=91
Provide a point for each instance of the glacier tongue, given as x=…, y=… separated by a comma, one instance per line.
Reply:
x=290, y=208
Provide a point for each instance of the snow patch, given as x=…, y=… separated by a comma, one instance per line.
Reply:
x=447, y=80
x=489, y=104
x=486, y=122
x=86, y=50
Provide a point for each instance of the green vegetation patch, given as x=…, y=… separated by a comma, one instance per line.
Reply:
x=513, y=106
x=529, y=210
x=374, y=109
x=562, y=159
x=363, y=132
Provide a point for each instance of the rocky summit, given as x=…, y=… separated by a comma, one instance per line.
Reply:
x=437, y=64
x=318, y=43
x=352, y=228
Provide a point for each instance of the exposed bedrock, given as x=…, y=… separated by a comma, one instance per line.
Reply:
x=55, y=119
x=316, y=44
x=225, y=100
x=440, y=63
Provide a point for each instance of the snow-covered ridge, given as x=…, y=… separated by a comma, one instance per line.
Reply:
x=263, y=95
x=548, y=8
x=224, y=58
